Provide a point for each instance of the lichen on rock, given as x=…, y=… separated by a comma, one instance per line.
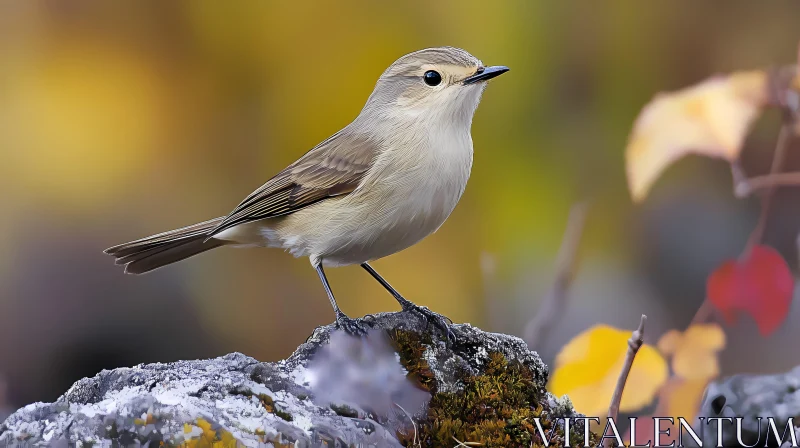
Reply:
x=405, y=384
x=755, y=399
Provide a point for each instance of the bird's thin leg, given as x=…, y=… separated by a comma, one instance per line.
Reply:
x=404, y=303
x=407, y=305
x=342, y=321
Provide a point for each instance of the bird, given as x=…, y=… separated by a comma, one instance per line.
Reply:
x=381, y=184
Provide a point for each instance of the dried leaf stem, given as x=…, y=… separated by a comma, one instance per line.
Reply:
x=784, y=137
x=634, y=344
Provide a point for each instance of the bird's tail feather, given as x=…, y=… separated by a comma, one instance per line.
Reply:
x=155, y=251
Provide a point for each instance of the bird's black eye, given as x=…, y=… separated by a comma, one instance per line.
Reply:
x=432, y=78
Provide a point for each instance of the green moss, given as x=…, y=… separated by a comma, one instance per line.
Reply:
x=410, y=347
x=496, y=408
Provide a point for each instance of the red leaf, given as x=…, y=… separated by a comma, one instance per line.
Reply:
x=760, y=285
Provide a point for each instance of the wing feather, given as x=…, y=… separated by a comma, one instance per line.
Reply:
x=333, y=168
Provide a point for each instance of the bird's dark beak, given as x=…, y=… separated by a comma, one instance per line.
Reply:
x=485, y=73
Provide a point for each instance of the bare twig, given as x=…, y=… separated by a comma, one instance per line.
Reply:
x=566, y=264
x=703, y=313
x=784, y=137
x=744, y=187
x=634, y=344
x=767, y=181
x=414, y=424
x=465, y=444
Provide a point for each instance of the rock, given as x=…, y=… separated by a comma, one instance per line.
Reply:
x=334, y=389
x=751, y=397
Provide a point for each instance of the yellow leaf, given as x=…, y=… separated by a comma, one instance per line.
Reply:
x=587, y=369
x=710, y=118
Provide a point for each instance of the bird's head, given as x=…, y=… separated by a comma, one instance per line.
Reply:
x=434, y=83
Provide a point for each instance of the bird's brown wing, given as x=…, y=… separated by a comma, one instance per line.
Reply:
x=333, y=168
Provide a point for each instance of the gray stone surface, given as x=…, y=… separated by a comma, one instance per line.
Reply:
x=751, y=397
x=231, y=397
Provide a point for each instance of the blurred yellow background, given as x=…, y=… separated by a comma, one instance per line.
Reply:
x=123, y=119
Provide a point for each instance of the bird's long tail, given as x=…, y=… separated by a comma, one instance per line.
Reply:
x=155, y=251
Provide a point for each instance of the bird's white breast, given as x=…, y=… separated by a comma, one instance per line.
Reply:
x=407, y=195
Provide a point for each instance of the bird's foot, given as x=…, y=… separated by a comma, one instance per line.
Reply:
x=437, y=320
x=351, y=326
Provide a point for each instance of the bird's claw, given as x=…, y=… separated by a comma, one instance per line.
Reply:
x=441, y=322
x=351, y=326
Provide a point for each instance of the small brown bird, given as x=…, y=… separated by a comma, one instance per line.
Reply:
x=381, y=184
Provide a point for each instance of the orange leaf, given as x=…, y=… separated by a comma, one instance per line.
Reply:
x=711, y=118
x=684, y=397
x=670, y=342
x=694, y=353
x=706, y=336
x=587, y=369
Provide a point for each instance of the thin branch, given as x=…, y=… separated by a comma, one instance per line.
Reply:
x=703, y=313
x=566, y=264
x=748, y=186
x=634, y=344
x=744, y=187
x=784, y=137
x=465, y=444
x=414, y=424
